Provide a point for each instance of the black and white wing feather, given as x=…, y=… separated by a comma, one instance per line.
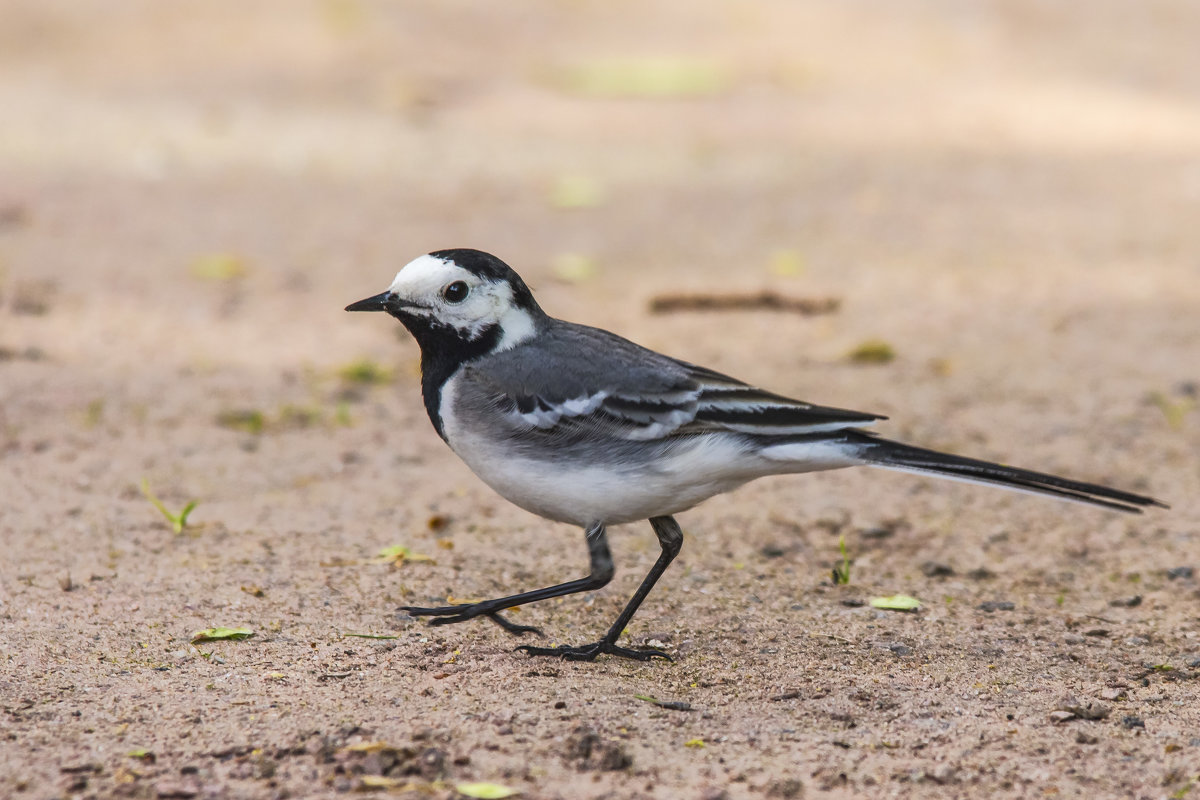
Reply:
x=582, y=381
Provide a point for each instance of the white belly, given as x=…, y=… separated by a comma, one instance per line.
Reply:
x=583, y=494
x=585, y=485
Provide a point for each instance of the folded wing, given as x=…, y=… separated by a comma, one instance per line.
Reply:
x=625, y=391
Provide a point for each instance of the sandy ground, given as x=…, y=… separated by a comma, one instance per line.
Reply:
x=1005, y=193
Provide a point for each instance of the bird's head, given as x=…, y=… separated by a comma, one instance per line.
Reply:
x=466, y=294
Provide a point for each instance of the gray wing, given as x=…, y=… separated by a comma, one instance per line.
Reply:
x=579, y=380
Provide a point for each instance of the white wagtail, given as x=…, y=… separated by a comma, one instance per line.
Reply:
x=578, y=425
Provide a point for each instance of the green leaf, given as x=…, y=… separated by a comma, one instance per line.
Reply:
x=218, y=267
x=573, y=267
x=365, y=371
x=576, y=191
x=872, y=351
x=1175, y=412
x=178, y=521
x=786, y=263
x=841, y=572
x=220, y=634
x=657, y=78
x=897, y=602
x=247, y=420
x=486, y=791
x=399, y=554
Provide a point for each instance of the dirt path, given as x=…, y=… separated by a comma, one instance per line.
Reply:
x=1005, y=197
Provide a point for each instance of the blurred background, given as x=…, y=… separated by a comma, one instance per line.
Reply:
x=999, y=198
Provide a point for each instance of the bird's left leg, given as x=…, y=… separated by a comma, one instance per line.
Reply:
x=670, y=538
x=601, y=573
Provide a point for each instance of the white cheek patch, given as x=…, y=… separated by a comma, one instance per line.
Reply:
x=516, y=325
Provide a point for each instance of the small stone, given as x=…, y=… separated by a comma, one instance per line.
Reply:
x=900, y=649
x=1180, y=573
x=589, y=751
x=1099, y=633
x=175, y=790
x=1086, y=738
x=1113, y=693
x=1131, y=722
x=942, y=774
x=997, y=605
x=853, y=602
x=1135, y=641
x=981, y=574
x=880, y=532
x=1059, y=717
x=1090, y=709
x=1126, y=602
x=430, y=764
x=934, y=569
x=1193, y=661
x=786, y=788
x=74, y=784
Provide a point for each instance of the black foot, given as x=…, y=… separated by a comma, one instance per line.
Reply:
x=448, y=615
x=588, y=652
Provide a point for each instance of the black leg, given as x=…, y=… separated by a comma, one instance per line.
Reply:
x=671, y=540
x=601, y=574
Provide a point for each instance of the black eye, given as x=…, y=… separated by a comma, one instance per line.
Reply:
x=455, y=292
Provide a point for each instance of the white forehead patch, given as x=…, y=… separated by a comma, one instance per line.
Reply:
x=426, y=275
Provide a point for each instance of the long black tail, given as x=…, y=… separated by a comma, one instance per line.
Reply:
x=894, y=455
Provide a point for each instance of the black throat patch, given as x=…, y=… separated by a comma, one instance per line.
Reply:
x=443, y=350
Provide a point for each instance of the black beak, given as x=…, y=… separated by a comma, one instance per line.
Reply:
x=377, y=303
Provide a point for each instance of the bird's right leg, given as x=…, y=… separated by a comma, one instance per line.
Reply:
x=601, y=574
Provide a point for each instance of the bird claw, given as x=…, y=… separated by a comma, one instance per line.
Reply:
x=589, y=652
x=514, y=628
x=449, y=615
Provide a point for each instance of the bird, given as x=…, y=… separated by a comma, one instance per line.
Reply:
x=581, y=426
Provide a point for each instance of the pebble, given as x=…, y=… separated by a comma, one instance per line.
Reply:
x=1132, y=722
x=1126, y=602
x=880, y=532
x=1090, y=709
x=997, y=605
x=178, y=790
x=934, y=569
x=1184, y=573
